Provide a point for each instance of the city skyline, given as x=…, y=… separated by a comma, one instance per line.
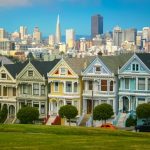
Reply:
x=44, y=14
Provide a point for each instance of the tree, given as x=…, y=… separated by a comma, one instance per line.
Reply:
x=143, y=111
x=27, y=115
x=3, y=113
x=68, y=111
x=103, y=112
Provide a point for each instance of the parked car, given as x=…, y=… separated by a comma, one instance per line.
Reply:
x=143, y=128
x=108, y=126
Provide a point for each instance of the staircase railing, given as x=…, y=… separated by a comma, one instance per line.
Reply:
x=89, y=122
x=80, y=119
x=115, y=121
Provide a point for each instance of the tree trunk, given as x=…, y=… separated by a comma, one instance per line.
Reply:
x=69, y=122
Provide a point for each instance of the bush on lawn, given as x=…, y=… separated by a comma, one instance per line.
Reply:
x=3, y=113
x=130, y=122
x=27, y=115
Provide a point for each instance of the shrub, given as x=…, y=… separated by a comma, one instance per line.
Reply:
x=68, y=111
x=143, y=111
x=27, y=115
x=130, y=122
x=3, y=113
x=103, y=112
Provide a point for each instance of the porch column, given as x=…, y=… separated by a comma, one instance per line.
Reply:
x=39, y=89
x=57, y=107
x=49, y=108
x=40, y=108
x=32, y=89
x=136, y=83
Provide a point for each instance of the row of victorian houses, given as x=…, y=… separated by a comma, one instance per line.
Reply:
x=122, y=81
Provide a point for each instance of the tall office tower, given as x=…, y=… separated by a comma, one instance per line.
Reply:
x=145, y=33
x=23, y=31
x=51, y=40
x=58, y=31
x=37, y=35
x=117, y=36
x=96, y=25
x=70, y=38
x=139, y=39
x=2, y=33
x=129, y=35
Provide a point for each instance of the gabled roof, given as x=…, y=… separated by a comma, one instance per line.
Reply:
x=115, y=62
x=79, y=64
x=5, y=60
x=145, y=58
x=43, y=67
x=14, y=69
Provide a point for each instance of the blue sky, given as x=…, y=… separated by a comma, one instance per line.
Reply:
x=73, y=14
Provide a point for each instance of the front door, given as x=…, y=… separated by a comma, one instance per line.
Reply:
x=89, y=106
x=125, y=104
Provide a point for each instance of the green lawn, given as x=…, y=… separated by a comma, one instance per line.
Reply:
x=58, y=137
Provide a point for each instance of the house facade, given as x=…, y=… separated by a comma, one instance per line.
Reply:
x=8, y=90
x=32, y=86
x=65, y=87
x=134, y=78
x=100, y=85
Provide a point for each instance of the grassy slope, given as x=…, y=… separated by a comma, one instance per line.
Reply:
x=65, y=138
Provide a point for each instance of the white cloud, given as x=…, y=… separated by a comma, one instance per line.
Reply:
x=21, y=3
x=12, y=3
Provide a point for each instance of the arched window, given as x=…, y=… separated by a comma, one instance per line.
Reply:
x=111, y=85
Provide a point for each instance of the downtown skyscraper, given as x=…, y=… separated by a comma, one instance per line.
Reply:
x=96, y=25
x=58, y=31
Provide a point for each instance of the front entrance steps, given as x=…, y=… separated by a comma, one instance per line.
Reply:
x=10, y=120
x=122, y=120
x=85, y=119
x=51, y=119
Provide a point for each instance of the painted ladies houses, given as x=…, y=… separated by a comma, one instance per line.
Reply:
x=66, y=84
x=8, y=88
x=134, y=79
x=32, y=85
x=101, y=82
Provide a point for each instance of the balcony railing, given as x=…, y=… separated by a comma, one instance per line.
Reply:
x=135, y=91
x=97, y=93
x=28, y=96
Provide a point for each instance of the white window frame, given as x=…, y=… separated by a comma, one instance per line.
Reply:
x=5, y=76
x=56, y=89
x=64, y=71
x=32, y=73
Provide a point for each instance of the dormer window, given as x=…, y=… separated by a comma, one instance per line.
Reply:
x=135, y=67
x=30, y=73
x=97, y=68
x=63, y=71
x=3, y=75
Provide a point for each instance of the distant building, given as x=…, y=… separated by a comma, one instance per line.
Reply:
x=96, y=25
x=117, y=36
x=51, y=40
x=7, y=45
x=37, y=35
x=23, y=31
x=58, y=31
x=3, y=33
x=82, y=44
x=146, y=33
x=70, y=38
x=129, y=35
